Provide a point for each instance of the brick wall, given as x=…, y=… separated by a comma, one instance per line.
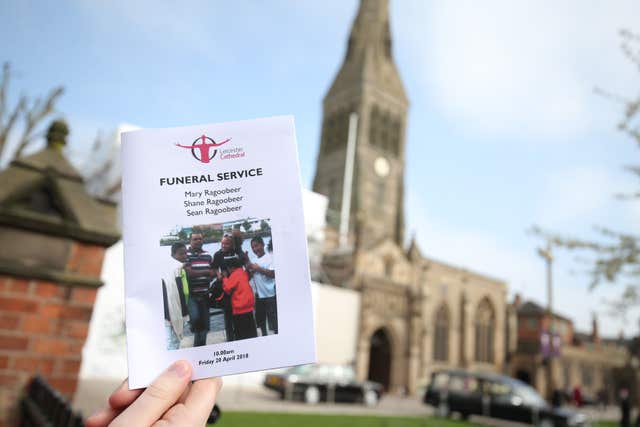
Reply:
x=43, y=327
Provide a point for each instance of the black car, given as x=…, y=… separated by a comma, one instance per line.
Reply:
x=496, y=396
x=323, y=382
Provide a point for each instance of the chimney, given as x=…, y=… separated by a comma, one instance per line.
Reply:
x=517, y=301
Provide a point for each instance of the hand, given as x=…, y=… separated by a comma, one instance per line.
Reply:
x=171, y=400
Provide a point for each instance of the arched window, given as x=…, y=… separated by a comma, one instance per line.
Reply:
x=374, y=127
x=485, y=325
x=335, y=131
x=384, y=131
x=441, y=335
x=388, y=266
x=387, y=40
x=381, y=185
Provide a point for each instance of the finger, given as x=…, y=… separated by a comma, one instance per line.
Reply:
x=158, y=397
x=120, y=398
x=123, y=397
x=202, y=397
x=185, y=393
x=196, y=409
x=102, y=418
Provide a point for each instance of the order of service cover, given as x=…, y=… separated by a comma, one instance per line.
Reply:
x=216, y=263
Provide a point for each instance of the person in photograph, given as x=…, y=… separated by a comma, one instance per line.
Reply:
x=238, y=238
x=264, y=283
x=236, y=285
x=199, y=275
x=173, y=296
x=179, y=253
x=221, y=269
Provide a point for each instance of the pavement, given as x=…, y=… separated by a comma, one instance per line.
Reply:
x=263, y=400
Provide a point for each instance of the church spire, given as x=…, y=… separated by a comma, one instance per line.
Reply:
x=368, y=87
x=369, y=57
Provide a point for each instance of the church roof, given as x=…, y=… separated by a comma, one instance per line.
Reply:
x=369, y=61
x=44, y=192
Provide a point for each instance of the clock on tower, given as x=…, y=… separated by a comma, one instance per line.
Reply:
x=367, y=84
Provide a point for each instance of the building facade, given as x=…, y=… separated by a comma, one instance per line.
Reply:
x=54, y=235
x=417, y=314
x=583, y=360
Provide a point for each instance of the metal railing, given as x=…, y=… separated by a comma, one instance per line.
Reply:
x=43, y=406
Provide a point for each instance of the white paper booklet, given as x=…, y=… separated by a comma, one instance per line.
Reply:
x=216, y=264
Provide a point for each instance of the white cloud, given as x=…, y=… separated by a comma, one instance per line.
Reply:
x=583, y=196
x=521, y=68
x=164, y=24
x=633, y=216
x=475, y=250
x=520, y=266
x=573, y=194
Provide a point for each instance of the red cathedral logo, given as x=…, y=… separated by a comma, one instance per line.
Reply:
x=203, y=148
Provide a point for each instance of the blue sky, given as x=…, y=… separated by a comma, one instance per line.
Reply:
x=504, y=129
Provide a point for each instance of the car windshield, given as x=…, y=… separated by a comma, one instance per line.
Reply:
x=338, y=373
x=530, y=396
x=301, y=370
x=440, y=380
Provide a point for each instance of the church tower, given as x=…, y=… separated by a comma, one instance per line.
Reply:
x=368, y=84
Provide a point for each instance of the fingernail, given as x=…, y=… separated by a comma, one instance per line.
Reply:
x=181, y=368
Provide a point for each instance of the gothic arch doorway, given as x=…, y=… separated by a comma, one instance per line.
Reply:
x=380, y=358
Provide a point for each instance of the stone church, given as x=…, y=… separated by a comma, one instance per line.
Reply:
x=417, y=314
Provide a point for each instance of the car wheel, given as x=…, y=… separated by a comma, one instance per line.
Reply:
x=370, y=398
x=545, y=423
x=443, y=410
x=312, y=395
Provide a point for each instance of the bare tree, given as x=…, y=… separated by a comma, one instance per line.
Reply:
x=615, y=256
x=30, y=113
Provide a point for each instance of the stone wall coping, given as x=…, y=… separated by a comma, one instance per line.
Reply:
x=41, y=273
x=24, y=219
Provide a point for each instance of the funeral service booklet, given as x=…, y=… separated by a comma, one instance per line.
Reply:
x=215, y=250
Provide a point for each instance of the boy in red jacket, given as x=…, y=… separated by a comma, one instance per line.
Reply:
x=242, y=299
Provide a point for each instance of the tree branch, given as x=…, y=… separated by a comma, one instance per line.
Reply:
x=5, y=129
x=38, y=112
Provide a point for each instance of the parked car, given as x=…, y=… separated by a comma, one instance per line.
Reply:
x=496, y=396
x=323, y=382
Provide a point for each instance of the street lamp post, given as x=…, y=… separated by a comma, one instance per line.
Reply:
x=547, y=255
